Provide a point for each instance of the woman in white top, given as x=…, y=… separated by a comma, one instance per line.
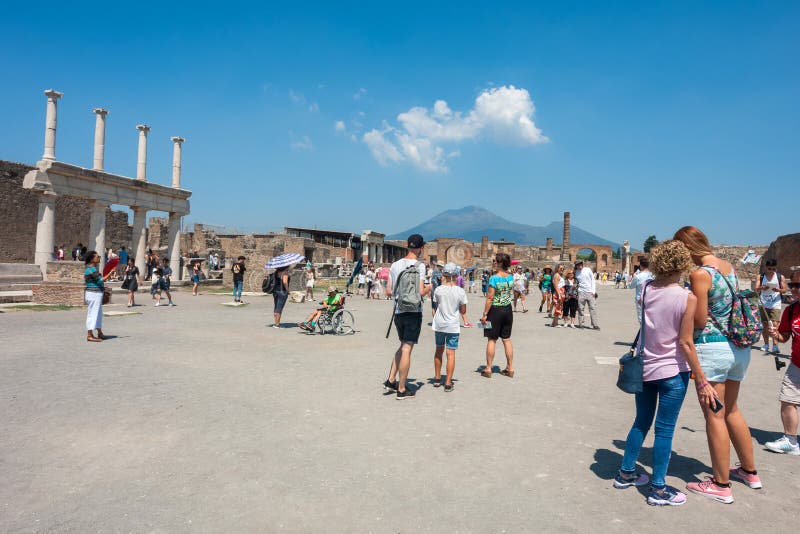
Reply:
x=519, y=289
x=770, y=285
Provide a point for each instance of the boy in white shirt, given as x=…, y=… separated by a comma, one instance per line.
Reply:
x=451, y=304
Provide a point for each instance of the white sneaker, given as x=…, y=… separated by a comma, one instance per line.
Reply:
x=783, y=446
x=156, y=304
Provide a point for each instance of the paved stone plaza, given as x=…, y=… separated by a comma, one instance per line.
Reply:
x=199, y=418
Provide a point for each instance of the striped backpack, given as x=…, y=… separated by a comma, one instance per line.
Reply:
x=744, y=322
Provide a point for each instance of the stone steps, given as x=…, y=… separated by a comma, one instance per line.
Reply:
x=13, y=297
x=4, y=286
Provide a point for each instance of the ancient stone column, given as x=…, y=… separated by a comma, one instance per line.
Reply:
x=176, y=161
x=99, y=138
x=45, y=231
x=50, y=124
x=625, y=258
x=141, y=161
x=139, y=237
x=549, y=248
x=484, y=247
x=174, y=245
x=97, y=229
x=565, y=238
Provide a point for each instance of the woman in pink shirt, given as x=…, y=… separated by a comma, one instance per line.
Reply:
x=667, y=346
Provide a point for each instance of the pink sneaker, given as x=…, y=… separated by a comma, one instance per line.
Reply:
x=709, y=488
x=751, y=480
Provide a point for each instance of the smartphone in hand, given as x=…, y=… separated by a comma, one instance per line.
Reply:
x=717, y=406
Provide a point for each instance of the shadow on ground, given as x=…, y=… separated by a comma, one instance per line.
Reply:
x=607, y=463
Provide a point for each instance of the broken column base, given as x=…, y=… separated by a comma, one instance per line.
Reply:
x=58, y=293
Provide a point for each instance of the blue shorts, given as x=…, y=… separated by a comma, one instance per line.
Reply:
x=443, y=339
x=722, y=360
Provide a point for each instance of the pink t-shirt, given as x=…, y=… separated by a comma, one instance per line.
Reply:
x=664, y=309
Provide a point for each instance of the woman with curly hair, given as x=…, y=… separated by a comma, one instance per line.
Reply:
x=666, y=345
x=724, y=364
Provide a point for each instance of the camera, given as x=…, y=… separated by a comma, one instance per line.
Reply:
x=779, y=364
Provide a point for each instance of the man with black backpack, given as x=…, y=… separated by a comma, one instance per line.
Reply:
x=407, y=286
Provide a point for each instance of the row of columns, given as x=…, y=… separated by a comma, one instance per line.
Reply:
x=373, y=252
x=45, y=224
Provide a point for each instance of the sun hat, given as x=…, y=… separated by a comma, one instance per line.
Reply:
x=451, y=269
x=332, y=289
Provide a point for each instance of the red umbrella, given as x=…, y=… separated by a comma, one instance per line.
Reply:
x=111, y=265
x=514, y=262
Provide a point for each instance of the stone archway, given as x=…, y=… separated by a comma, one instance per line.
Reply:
x=602, y=253
x=458, y=254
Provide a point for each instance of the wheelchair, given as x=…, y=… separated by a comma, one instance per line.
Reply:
x=340, y=322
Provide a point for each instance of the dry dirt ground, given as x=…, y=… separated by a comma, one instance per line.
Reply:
x=199, y=418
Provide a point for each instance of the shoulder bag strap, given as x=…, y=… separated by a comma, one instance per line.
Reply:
x=640, y=334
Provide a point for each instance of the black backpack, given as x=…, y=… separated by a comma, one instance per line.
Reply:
x=268, y=285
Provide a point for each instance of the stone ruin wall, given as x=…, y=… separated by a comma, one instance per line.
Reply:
x=785, y=249
x=19, y=209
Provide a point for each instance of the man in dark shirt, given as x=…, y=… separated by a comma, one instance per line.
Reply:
x=238, y=271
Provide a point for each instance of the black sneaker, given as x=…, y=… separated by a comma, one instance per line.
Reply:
x=407, y=394
x=595, y=328
x=448, y=388
x=390, y=385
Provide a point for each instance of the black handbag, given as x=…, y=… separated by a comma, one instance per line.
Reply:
x=631, y=365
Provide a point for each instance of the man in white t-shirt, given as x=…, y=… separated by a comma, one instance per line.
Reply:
x=451, y=303
x=639, y=279
x=587, y=293
x=769, y=286
x=408, y=324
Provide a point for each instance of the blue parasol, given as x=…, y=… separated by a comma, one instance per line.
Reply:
x=284, y=260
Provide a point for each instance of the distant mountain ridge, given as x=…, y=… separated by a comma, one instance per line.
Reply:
x=473, y=222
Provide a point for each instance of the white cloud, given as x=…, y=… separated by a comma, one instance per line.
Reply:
x=359, y=94
x=384, y=151
x=503, y=113
x=301, y=100
x=339, y=126
x=304, y=143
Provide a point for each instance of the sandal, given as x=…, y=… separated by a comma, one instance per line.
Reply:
x=92, y=338
x=506, y=372
x=486, y=373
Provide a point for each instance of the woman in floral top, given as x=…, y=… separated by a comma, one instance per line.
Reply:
x=724, y=365
x=498, y=312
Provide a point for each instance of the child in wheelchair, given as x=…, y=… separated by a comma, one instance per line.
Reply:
x=330, y=305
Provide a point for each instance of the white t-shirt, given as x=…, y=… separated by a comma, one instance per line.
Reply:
x=771, y=298
x=519, y=282
x=448, y=299
x=638, y=282
x=585, y=279
x=398, y=267
x=362, y=278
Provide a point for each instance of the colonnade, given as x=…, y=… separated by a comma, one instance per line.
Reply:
x=102, y=189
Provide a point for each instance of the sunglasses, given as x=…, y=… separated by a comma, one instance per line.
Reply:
x=794, y=285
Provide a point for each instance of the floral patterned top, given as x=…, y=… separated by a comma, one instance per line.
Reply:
x=720, y=300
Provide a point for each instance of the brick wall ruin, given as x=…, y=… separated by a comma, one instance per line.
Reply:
x=19, y=208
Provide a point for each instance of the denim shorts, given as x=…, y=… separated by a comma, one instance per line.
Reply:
x=443, y=339
x=722, y=360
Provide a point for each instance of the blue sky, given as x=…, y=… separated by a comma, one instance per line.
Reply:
x=648, y=116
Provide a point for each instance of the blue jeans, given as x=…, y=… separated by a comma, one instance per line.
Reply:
x=668, y=394
x=237, y=289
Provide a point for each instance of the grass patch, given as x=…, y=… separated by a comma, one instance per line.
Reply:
x=41, y=307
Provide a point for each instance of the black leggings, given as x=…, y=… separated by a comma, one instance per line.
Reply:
x=570, y=307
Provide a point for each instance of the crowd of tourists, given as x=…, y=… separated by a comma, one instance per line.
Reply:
x=686, y=299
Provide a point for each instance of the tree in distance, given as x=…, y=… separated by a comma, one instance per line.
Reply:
x=649, y=243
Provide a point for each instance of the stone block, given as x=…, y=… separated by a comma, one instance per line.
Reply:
x=58, y=293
